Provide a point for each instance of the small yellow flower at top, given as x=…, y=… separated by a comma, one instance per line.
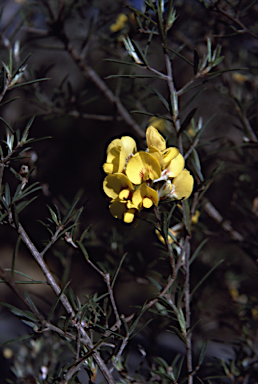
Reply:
x=120, y=23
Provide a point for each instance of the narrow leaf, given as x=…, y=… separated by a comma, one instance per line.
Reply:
x=187, y=121
x=83, y=249
x=118, y=269
x=15, y=253
x=139, y=53
x=196, y=61
x=205, y=277
x=7, y=125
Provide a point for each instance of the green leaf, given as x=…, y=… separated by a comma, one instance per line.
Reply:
x=76, y=219
x=181, y=56
x=26, y=131
x=23, y=204
x=30, y=82
x=70, y=212
x=3, y=202
x=122, y=62
x=134, y=76
x=139, y=52
x=21, y=64
x=7, y=125
x=186, y=215
x=53, y=215
x=9, y=101
x=177, y=332
x=202, y=353
x=31, y=303
x=7, y=195
x=196, y=252
x=118, y=269
x=155, y=283
x=161, y=98
x=57, y=301
x=205, y=277
x=15, y=216
x=196, y=61
x=187, y=121
x=18, y=312
x=15, y=253
x=17, y=339
x=149, y=41
x=83, y=249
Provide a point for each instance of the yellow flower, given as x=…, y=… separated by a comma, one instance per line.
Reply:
x=118, y=153
x=163, y=125
x=142, y=167
x=122, y=210
x=182, y=186
x=175, y=166
x=145, y=197
x=172, y=233
x=117, y=185
x=120, y=23
x=169, y=158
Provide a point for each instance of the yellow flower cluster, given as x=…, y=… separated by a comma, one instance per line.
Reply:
x=138, y=179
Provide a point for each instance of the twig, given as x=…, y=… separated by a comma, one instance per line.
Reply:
x=63, y=298
x=188, y=335
x=235, y=20
x=95, y=78
x=119, y=353
x=225, y=224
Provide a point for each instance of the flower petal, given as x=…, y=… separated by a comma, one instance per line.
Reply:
x=117, y=153
x=183, y=185
x=120, y=211
x=129, y=145
x=116, y=183
x=154, y=138
x=176, y=166
x=145, y=197
x=141, y=167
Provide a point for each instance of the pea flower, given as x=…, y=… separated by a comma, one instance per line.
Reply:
x=140, y=180
x=145, y=197
x=142, y=167
x=122, y=210
x=182, y=186
x=118, y=185
x=118, y=153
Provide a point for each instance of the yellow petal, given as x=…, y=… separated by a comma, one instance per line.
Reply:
x=116, y=159
x=183, y=185
x=129, y=145
x=163, y=125
x=154, y=139
x=115, y=183
x=169, y=154
x=141, y=167
x=144, y=196
x=176, y=166
x=129, y=216
x=120, y=211
x=117, y=153
x=118, y=208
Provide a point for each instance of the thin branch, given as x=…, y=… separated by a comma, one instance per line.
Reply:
x=235, y=20
x=63, y=298
x=188, y=335
x=119, y=353
x=95, y=78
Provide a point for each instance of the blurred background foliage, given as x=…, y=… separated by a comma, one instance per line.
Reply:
x=68, y=42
